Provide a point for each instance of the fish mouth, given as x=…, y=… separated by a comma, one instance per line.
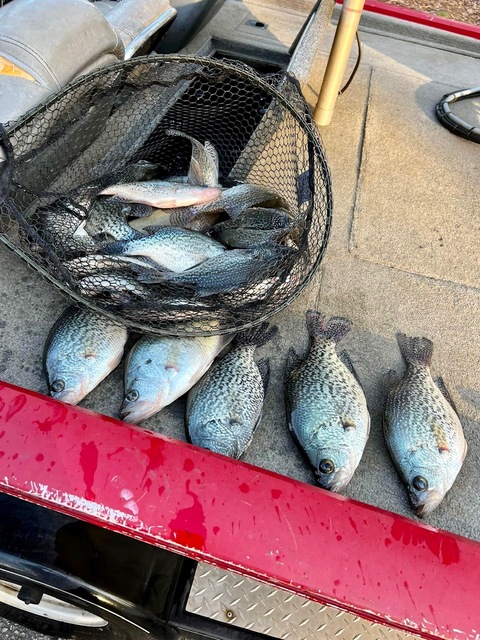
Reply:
x=336, y=482
x=426, y=503
x=135, y=412
x=69, y=396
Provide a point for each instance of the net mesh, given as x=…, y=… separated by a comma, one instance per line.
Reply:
x=114, y=126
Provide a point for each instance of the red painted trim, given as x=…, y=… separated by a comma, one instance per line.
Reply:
x=420, y=17
x=238, y=516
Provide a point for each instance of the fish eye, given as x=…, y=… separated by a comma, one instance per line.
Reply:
x=326, y=466
x=420, y=483
x=132, y=395
x=57, y=386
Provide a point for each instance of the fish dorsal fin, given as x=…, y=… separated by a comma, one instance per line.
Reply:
x=440, y=382
x=264, y=369
x=292, y=362
x=345, y=359
x=389, y=381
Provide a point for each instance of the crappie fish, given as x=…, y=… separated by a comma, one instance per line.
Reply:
x=203, y=168
x=326, y=409
x=110, y=218
x=65, y=231
x=233, y=201
x=161, y=369
x=422, y=430
x=169, y=247
x=254, y=226
x=160, y=218
x=225, y=407
x=228, y=271
x=82, y=348
x=247, y=238
x=116, y=286
x=162, y=194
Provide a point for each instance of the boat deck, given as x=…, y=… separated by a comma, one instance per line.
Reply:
x=403, y=255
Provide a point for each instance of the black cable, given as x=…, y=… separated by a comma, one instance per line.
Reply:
x=355, y=68
x=451, y=121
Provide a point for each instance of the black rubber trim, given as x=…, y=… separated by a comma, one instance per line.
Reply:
x=6, y=167
x=452, y=122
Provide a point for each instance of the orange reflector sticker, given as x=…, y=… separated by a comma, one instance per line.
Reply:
x=8, y=68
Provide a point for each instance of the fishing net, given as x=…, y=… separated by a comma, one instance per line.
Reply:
x=99, y=130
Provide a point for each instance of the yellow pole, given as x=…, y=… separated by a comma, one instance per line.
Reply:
x=337, y=61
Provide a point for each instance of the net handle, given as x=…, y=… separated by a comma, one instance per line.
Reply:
x=6, y=164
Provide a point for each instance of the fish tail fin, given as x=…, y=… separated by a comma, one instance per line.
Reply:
x=264, y=369
x=334, y=329
x=257, y=336
x=415, y=350
x=176, y=132
x=181, y=216
x=212, y=153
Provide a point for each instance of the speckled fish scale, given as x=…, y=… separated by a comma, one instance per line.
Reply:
x=326, y=408
x=225, y=407
x=422, y=430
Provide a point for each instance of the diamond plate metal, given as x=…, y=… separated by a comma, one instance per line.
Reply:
x=248, y=604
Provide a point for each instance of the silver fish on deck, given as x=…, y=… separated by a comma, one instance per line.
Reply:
x=109, y=218
x=228, y=271
x=326, y=408
x=161, y=369
x=225, y=407
x=82, y=348
x=162, y=194
x=169, y=247
x=203, y=168
x=422, y=430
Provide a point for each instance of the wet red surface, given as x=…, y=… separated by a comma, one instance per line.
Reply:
x=299, y=537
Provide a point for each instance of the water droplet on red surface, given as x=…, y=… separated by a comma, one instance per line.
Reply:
x=188, y=528
x=276, y=493
x=39, y=457
x=15, y=406
x=244, y=488
x=188, y=465
x=88, y=462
